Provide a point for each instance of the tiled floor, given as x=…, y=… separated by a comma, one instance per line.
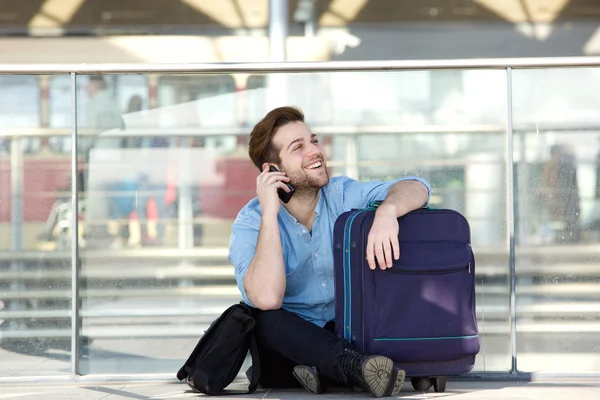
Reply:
x=456, y=390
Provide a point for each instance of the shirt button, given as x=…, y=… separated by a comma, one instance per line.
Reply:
x=323, y=284
x=325, y=308
x=303, y=230
x=316, y=254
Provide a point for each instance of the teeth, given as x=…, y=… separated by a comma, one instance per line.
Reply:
x=315, y=165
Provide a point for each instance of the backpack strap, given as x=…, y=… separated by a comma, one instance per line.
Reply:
x=255, y=363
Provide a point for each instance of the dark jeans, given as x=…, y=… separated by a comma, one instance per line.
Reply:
x=286, y=340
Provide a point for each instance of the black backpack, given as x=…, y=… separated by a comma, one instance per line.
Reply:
x=221, y=351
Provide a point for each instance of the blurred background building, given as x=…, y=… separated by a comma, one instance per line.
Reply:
x=164, y=166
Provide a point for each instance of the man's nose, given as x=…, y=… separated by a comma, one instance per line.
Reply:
x=312, y=149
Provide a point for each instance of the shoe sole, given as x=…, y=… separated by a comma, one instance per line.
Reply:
x=394, y=390
x=380, y=378
x=307, y=379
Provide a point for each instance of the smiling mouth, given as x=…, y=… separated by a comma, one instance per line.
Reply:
x=315, y=165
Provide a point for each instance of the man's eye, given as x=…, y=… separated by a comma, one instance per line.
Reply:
x=296, y=148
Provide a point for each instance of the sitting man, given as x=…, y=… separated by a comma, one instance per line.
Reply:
x=283, y=258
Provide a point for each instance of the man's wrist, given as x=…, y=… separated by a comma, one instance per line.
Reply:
x=270, y=216
x=388, y=209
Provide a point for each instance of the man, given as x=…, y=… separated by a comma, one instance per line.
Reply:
x=283, y=258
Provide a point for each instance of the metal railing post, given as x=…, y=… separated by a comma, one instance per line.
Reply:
x=510, y=216
x=278, y=32
x=16, y=220
x=278, y=29
x=75, y=268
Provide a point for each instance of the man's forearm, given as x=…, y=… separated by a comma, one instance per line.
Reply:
x=405, y=196
x=265, y=278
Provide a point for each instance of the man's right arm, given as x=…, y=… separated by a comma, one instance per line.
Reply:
x=264, y=280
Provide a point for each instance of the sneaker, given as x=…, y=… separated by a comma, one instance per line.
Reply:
x=308, y=378
x=375, y=374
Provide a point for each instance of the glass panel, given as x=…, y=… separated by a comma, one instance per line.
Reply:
x=446, y=126
x=34, y=238
x=159, y=210
x=557, y=126
x=158, y=188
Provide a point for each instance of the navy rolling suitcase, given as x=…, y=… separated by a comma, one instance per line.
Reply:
x=421, y=312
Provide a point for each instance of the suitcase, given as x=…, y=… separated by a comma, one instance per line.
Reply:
x=421, y=312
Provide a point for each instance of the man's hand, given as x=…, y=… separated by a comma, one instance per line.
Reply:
x=267, y=184
x=382, y=242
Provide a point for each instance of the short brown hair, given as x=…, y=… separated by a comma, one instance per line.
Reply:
x=260, y=147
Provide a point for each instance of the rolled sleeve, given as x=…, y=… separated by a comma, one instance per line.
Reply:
x=359, y=194
x=424, y=182
x=242, y=247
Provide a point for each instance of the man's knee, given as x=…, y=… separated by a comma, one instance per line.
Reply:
x=278, y=324
x=270, y=318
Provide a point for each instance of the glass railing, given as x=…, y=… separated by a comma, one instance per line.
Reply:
x=162, y=170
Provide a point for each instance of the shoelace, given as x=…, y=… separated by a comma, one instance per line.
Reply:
x=350, y=363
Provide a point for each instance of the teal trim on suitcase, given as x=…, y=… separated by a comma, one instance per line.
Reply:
x=344, y=273
x=347, y=240
x=427, y=338
x=348, y=299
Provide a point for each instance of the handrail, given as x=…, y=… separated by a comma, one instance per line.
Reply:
x=308, y=66
x=201, y=131
x=332, y=130
x=574, y=251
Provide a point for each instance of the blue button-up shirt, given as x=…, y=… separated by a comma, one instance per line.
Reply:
x=308, y=258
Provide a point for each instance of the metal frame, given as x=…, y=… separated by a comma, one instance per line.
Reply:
x=510, y=215
x=75, y=265
x=309, y=67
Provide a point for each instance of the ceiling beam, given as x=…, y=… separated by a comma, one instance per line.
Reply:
x=55, y=13
x=341, y=12
x=517, y=11
x=233, y=14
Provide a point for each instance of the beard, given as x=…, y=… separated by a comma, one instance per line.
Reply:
x=308, y=182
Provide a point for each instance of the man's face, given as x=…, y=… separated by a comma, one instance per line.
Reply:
x=302, y=156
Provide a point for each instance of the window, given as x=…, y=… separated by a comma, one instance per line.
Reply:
x=202, y=102
x=120, y=87
x=19, y=108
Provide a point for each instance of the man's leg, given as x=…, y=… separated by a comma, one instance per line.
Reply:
x=301, y=342
x=304, y=343
x=275, y=369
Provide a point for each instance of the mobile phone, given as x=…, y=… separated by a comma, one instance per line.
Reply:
x=283, y=195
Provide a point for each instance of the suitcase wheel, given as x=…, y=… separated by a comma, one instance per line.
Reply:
x=439, y=384
x=421, y=384
x=424, y=384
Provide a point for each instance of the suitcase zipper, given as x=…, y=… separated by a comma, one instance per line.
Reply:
x=430, y=272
